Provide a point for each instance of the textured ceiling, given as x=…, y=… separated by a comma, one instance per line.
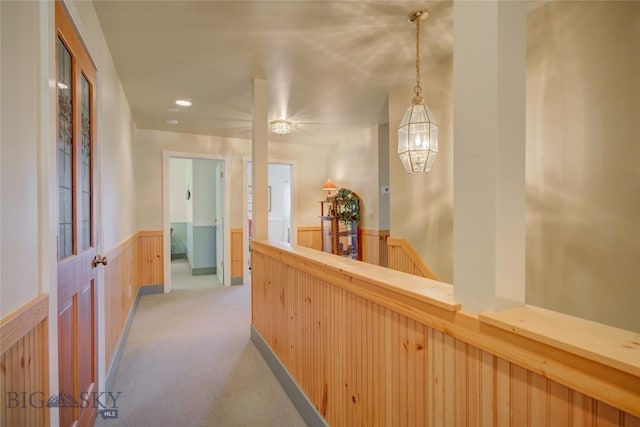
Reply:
x=327, y=63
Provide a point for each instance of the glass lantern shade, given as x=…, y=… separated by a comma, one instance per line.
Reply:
x=418, y=139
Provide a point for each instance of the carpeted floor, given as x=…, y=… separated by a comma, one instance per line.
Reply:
x=188, y=361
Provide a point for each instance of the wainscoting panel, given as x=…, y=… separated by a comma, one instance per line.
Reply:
x=24, y=365
x=402, y=257
x=236, y=252
x=121, y=290
x=374, y=246
x=150, y=265
x=371, y=358
x=310, y=237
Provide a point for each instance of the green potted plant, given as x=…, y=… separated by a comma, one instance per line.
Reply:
x=347, y=206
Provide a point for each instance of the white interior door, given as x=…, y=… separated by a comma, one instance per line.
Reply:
x=219, y=221
x=279, y=198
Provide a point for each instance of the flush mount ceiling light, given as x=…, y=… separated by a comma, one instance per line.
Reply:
x=183, y=103
x=282, y=127
x=172, y=122
x=418, y=130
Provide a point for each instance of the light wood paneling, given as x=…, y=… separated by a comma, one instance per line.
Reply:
x=402, y=257
x=121, y=289
x=236, y=252
x=374, y=246
x=150, y=261
x=24, y=365
x=310, y=237
x=363, y=359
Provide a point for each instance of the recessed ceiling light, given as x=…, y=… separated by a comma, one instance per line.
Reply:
x=173, y=109
x=172, y=122
x=183, y=103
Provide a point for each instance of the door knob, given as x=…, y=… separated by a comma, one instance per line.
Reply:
x=99, y=260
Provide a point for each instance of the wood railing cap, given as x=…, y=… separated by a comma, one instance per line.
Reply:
x=19, y=322
x=605, y=344
x=425, y=290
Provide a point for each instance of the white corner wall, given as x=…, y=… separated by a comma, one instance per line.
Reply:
x=116, y=133
x=583, y=160
x=353, y=164
x=19, y=138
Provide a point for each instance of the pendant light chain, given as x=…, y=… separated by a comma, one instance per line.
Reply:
x=417, y=90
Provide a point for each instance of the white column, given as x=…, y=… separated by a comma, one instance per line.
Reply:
x=489, y=63
x=260, y=160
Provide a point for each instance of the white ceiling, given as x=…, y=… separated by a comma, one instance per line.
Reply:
x=327, y=63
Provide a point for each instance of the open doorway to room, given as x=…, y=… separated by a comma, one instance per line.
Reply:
x=280, y=202
x=195, y=204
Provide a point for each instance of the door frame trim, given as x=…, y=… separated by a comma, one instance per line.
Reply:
x=166, y=220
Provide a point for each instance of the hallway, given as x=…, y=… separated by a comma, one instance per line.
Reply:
x=188, y=361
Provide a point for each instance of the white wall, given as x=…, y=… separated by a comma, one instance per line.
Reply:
x=422, y=205
x=116, y=133
x=583, y=160
x=311, y=162
x=19, y=139
x=353, y=164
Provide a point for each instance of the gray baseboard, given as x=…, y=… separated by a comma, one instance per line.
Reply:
x=203, y=271
x=237, y=280
x=115, y=362
x=304, y=406
x=151, y=289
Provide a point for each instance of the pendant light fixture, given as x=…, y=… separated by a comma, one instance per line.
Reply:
x=418, y=130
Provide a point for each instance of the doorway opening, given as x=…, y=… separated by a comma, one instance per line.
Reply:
x=196, y=245
x=280, y=204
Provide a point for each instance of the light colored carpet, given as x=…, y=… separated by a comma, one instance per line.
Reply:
x=181, y=277
x=188, y=361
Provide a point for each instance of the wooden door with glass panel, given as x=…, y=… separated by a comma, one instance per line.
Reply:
x=77, y=296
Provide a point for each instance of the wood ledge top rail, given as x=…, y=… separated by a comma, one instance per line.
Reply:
x=149, y=233
x=389, y=281
x=601, y=344
x=116, y=250
x=309, y=228
x=371, y=232
x=18, y=323
x=604, y=344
